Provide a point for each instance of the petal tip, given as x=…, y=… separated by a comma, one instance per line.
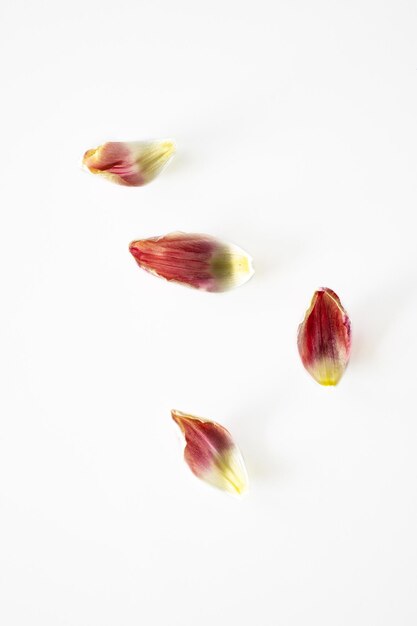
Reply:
x=178, y=417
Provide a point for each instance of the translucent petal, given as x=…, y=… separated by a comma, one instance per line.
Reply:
x=195, y=260
x=211, y=453
x=129, y=163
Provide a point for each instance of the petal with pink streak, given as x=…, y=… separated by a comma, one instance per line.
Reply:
x=129, y=163
x=195, y=260
x=211, y=453
x=324, y=338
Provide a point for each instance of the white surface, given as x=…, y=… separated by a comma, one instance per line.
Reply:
x=296, y=131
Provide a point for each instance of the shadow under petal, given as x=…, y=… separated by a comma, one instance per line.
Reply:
x=376, y=315
x=255, y=418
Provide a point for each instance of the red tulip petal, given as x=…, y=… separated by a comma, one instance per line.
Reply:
x=211, y=453
x=198, y=261
x=129, y=163
x=324, y=338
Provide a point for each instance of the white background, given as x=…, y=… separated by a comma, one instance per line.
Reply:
x=296, y=131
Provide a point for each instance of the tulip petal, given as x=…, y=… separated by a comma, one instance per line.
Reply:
x=211, y=453
x=129, y=163
x=198, y=261
x=324, y=338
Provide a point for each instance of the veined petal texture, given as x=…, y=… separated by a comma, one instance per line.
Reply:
x=129, y=163
x=211, y=453
x=324, y=338
x=195, y=260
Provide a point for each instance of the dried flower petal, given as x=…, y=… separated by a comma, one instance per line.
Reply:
x=211, y=453
x=324, y=338
x=198, y=261
x=129, y=163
